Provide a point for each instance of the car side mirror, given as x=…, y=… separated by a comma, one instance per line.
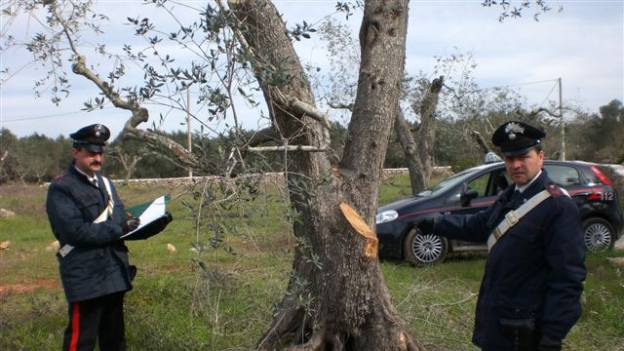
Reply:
x=466, y=196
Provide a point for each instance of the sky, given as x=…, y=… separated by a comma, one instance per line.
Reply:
x=582, y=45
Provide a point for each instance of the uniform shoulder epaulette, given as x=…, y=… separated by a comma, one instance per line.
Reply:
x=555, y=190
x=60, y=179
x=60, y=176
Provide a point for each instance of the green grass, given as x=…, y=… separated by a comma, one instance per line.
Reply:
x=227, y=301
x=394, y=188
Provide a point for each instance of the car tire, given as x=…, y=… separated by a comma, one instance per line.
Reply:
x=598, y=234
x=421, y=249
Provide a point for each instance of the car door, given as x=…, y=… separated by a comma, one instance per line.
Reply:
x=487, y=185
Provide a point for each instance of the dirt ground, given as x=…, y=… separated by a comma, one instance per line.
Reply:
x=28, y=287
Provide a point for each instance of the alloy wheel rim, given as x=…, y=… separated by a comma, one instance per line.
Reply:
x=427, y=248
x=597, y=237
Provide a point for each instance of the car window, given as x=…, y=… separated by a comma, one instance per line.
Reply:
x=500, y=181
x=480, y=184
x=449, y=182
x=563, y=175
x=491, y=183
x=486, y=185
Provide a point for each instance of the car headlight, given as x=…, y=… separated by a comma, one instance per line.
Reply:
x=386, y=216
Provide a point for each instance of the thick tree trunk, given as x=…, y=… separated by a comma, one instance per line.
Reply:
x=2, y=158
x=418, y=180
x=419, y=156
x=426, y=132
x=336, y=298
x=489, y=156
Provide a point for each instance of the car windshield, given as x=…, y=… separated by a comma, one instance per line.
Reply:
x=449, y=182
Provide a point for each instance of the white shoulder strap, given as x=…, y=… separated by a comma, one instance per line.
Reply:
x=108, y=211
x=108, y=187
x=512, y=217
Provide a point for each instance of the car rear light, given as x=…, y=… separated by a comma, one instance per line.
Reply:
x=599, y=194
x=595, y=197
x=603, y=178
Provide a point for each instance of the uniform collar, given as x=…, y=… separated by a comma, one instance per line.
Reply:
x=86, y=175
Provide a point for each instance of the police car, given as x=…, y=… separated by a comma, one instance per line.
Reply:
x=476, y=188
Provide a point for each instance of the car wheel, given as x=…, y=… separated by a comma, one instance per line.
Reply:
x=422, y=249
x=598, y=234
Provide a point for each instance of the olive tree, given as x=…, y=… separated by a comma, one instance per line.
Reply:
x=335, y=268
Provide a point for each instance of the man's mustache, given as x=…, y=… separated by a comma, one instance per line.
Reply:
x=95, y=163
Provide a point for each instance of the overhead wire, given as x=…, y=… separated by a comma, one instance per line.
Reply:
x=523, y=84
x=41, y=117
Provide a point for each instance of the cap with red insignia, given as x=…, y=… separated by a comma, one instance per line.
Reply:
x=517, y=138
x=92, y=138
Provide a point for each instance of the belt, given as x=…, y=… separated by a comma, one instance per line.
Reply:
x=63, y=251
x=512, y=217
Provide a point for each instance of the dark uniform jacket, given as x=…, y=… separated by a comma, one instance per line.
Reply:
x=535, y=271
x=98, y=265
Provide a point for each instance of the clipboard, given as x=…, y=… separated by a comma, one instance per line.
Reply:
x=148, y=213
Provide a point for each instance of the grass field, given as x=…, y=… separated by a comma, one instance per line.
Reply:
x=219, y=290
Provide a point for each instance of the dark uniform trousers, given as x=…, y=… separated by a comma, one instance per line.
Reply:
x=97, y=320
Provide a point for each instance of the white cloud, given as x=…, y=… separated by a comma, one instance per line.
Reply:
x=582, y=45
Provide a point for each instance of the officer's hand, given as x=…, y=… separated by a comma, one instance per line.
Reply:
x=130, y=224
x=547, y=343
x=426, y=225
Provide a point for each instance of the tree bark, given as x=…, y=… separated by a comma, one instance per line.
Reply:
x=426, y=132
x=418, y=181
x=336, y=298
x=488, y=155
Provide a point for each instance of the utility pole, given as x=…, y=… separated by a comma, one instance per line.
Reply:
x=188, y=128
x=563, y=146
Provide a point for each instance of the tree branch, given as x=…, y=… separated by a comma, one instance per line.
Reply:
x=549, y=112
x=187, y=158
x=285, y=148
x=341, y=106
x=264, y=136
x=302, y=108
x=484, y=148
x=553, y=114
x=139, y=114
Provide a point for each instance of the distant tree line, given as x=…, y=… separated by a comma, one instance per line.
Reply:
x=38, y=158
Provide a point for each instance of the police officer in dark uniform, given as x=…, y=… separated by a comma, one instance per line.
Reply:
x=88, y=218
x=530, y=293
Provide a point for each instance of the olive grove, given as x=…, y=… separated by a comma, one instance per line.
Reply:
x=336, y=298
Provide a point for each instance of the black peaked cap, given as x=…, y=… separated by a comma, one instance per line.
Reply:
x=93, y=138
x=517, y=138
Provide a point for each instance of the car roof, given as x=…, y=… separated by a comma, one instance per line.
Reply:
x=552, y=162
x=491, y=166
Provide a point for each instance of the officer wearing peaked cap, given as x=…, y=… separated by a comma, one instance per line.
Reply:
x=529, y=297
x=88, y=218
